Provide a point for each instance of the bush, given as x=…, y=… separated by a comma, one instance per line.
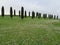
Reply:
x=25, y=14
x=11, y=12
x=50, y=16
x=22, y=12
x=33, y=14
x=2, y=11
x=39, y=15
x=44, y=15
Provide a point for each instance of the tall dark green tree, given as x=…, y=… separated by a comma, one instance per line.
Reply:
x=14, y=12
x=50, y=16
x=29, y=14
x=25, y=14
x=39, y=15
x=57, y=17
x=54, y=16
x=11, y=12
x=44, y=15
x=2, y=11
x=22, y=12
x=19, y=13
x=33, y=14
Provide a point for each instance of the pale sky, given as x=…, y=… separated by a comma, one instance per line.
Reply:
x=43, y=6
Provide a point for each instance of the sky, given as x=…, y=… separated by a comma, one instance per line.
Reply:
x=42, y=6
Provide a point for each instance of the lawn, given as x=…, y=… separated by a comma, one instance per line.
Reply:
x=29, y=31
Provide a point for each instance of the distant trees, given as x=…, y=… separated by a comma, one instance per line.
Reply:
x=2, y=11
x=11, y=12
x=19, y=13
x=44, y=15
x=25, y=14
x=33, y=14
x=14, y=12
x=22, y=12
x=39, y=15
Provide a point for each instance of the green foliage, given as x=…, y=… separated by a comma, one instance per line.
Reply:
x=22, y=12
x=44, y=15
x=2, y=11
x=11, y=12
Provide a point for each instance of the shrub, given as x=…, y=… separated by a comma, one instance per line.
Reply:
x=39, y=15
x=2, y=11
x=33, y=14
x=19, y=13
x=11, y=12
x=25, y=14
x=44, y=15
x=22, y=12
x=14, y=13
x=50, y=16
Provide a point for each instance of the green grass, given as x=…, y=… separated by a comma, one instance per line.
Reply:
x=29, y=31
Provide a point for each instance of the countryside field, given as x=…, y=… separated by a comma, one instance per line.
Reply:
x=29, y=31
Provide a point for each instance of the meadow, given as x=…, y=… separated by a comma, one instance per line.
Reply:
x=28, y=31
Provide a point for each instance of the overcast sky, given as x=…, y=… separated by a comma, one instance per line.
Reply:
x=43, y=6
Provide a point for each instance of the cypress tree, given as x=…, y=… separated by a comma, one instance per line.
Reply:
x=57, y=17
x=14, y=13
x=11, y=12
x=44, y=15
x=25, y=14
x=39, y=15
x=2, y=11
x=50, y=16
x=19, y=13
x=29, y=14
x=54, y=16
x=22, y=12
x=33, y=14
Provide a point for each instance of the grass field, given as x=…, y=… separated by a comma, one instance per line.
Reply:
x=29, y=31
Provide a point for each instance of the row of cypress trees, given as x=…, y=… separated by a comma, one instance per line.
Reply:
x=25, y=15
x=11, y=12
